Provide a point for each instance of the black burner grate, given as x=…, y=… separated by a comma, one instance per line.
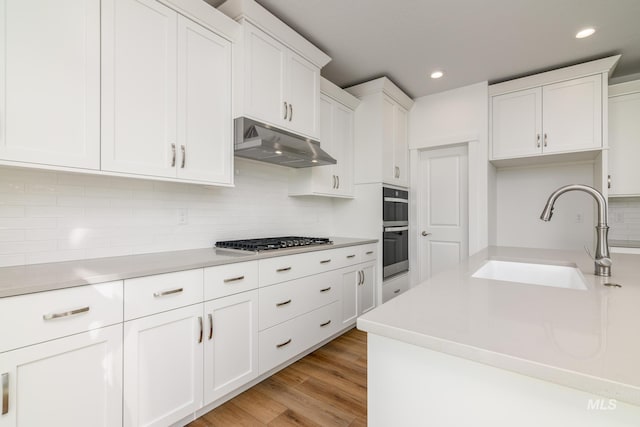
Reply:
x=270, y=243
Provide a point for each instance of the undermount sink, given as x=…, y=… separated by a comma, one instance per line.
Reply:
x=558, y=276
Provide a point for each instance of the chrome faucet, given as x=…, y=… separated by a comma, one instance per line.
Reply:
x=602, y=259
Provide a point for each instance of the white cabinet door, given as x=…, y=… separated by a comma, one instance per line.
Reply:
x=50, y=82
x=231, y=343
x=264, y=77
x=139, y=87
x=401, y=147
x=366, y=288
x=388, y=146
x=163, y=367
x=324, y=177
x=302, y=82
x=624, y=144
x=343, y=148
x=350, y=280
x=516, y=124
x=572, y=115
x=72, y=381
x=204, y=105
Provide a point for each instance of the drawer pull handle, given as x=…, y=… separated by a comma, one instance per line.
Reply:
x=325, y=323
x=280, y=304
x=325, y=289
x=201, y=329
x=210, y=326
x=234, y=279
x=325, y=261
x=351, y=256
x=282, y=344
x=5, y=393
x=396, y=291
x=169, y=292
x=52, y=316
x=369, y=252
x=280, y=270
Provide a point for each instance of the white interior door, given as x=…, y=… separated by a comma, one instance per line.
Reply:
x=442, y=209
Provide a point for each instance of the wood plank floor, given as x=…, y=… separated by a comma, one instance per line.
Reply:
x=326, y=388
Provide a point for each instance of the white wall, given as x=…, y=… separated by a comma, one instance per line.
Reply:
x=452, y=117
x=521, y=194
x=55, y=216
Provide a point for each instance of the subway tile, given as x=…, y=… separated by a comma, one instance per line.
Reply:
x=11, y=260
x=14, y=235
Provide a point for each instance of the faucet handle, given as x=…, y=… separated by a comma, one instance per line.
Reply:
x=605, y=262
x=586, y=249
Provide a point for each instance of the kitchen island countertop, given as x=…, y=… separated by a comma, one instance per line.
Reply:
x=585, y=339
x=32, y=278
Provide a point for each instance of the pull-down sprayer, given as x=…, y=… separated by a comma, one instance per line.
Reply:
x=602, y=259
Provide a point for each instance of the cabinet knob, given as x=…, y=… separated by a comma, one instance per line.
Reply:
x=545, y=139
x=173, y=155
x=608, y=181
x=286, y=110
x=290, y=112
x=184, y=156
x=538, y=140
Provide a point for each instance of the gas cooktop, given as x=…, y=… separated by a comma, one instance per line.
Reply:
x=270, y=243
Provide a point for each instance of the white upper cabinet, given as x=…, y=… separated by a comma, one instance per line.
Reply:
x=278, y=74
x=302, y=81
x=205, y=125
x=139, y=87
x=166, y=94
x=336, y=138
x=572, y=115
x=50, y=82
x=517, y=123
x=264, y=76
x=280, y=87
x=381, y=133
x=557, y=112
x=624, y=139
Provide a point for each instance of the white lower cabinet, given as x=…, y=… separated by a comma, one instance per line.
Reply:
x=286, y=340
x=358, y=291
x=163, y=367
x=70, y=381
x=230, y=350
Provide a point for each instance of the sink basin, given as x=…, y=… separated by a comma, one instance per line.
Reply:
x=558, y=276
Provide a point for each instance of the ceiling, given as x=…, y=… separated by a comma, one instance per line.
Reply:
x=470, y=40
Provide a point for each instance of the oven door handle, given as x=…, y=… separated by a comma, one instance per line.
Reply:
x=395, y=200
x=389, y=229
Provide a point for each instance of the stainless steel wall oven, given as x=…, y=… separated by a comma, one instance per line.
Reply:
x=395, y=232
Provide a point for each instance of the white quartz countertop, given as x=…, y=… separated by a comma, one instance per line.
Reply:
x=586, y=339
x=27, y=279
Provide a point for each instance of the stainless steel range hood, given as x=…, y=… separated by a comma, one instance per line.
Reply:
x=258, y=141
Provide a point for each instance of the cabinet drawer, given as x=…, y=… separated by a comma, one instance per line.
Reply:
x=230, y=279
x=281, y=269
x=369, y=252
x=284, y=301
x=153, y=294
x=282, y=342
x=34, y=318
x=394, y=287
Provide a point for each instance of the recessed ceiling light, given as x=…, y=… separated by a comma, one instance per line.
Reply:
x=314, y=161
x=585, y=33
x=278, y=152
x=437, y=74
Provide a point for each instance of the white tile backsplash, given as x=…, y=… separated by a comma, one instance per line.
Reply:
x=57, y=216
x=624, y=219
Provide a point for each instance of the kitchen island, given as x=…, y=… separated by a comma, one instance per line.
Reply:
x=458, y=350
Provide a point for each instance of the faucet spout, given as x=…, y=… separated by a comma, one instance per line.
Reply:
x=602, y=259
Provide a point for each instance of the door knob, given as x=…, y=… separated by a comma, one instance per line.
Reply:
x=425, y=234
